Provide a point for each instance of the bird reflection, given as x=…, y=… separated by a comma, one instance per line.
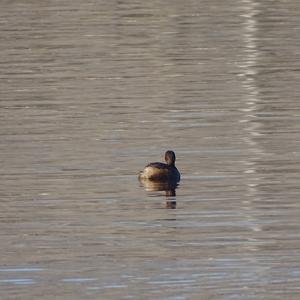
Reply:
x=169, y=186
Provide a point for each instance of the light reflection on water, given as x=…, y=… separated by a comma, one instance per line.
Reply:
x=91, y=92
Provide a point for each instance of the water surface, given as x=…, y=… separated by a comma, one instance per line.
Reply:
x=92, y=91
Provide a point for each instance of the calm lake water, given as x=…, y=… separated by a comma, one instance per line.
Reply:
x=91, y=91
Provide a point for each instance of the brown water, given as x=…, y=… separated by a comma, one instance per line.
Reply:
x=91, y=91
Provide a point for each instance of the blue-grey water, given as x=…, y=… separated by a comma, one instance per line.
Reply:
x=91, y=91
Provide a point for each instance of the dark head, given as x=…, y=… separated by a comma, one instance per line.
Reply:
x=170, y=158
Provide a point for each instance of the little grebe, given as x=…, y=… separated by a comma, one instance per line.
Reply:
x=161, y=172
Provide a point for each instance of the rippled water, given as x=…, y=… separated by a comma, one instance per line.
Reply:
x=91, y=91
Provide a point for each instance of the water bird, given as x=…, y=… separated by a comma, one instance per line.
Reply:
x=158, y=171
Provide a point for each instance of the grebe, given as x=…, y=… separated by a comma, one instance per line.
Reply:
x=158, y=171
